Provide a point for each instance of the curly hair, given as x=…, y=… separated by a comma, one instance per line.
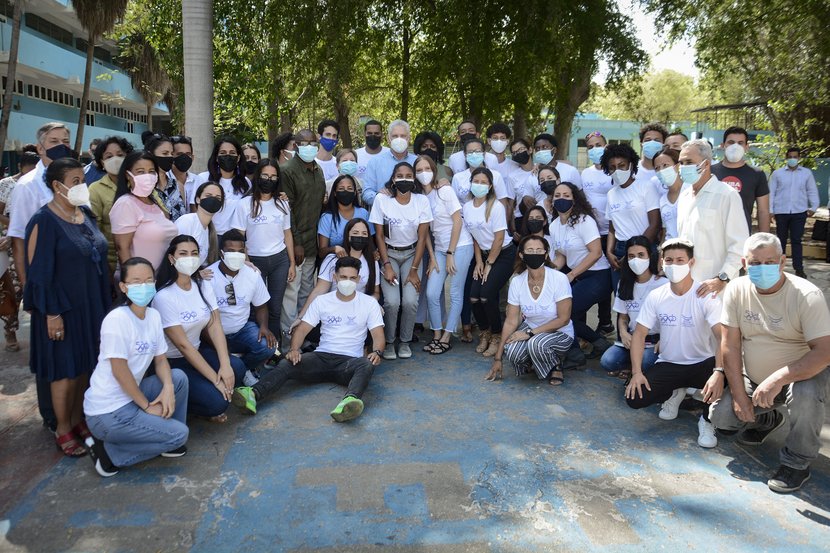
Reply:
x=664, y=132
x=581, y=208
x=623, y=151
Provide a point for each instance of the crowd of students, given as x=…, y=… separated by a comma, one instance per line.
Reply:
x=156, y=293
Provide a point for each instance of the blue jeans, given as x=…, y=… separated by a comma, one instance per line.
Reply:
x=205, y=400
x=254, y=352
x=617, y=358
x=619, y=252
x=130, y=435
x=435, y=288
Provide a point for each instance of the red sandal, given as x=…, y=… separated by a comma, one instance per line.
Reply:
x=82, y=431
x=69, y=444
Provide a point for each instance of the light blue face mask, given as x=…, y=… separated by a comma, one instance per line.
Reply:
x=348, y=167
x=792, y=162
x=307, y=153
x=595, y=154
x=475, y=159
x=141, y=294
x=542, y=157
x=764, y=276
x=689, y=174
x=479, y=190
x=652, y=148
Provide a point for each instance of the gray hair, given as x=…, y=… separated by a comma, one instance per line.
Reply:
x=762, y=240
x=398, y=123
x=702, y=146
x=49, y=127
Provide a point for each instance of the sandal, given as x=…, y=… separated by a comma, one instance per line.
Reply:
x=554, y=380
x=11, y=342
x=429, y=347
x=440, y=347
x=624, y=375
x=466, y=335
x=82, y=431
x=69, y=444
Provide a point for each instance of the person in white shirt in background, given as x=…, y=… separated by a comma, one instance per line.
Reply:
x=675, y=140
x=252, y=157
x=373, y=136
x=328, y=134
x=793, y=198
x=209, y=198
x=523, y=182
x=347, y=164
x=133, y=418
x=711, y=216
x=545, y=147
x=498, y=138
x=652, y=138
x=467, y=131
x=666, y=164
x=182, y=162
x=283, y=148
x=226, y=167
x=239, y=290
x=690, y=337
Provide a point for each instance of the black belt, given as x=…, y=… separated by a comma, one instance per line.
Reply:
x=652, y=338
x=402, y=248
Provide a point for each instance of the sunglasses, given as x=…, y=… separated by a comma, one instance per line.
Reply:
x=230, y=293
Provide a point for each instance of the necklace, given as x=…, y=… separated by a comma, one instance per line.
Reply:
x=535, y=286
x=73, y=217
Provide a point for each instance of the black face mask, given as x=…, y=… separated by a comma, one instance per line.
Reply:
x=373, y=142
x=60, y=151
x=359, y=243
x=227, y=163
x=405, y=186
x=535, y=225
x=548, y=186
x=211, y=204
x=467, y=136
x=521, y=158
x=165, y=163
x=267, y=186
x=534, y=260
x=431, y=153
x=250, y=167
x=344, y=197
x=182, y=162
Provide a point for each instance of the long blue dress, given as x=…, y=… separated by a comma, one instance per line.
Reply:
x=68, y=275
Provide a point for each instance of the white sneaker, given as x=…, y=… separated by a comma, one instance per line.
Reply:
x=389, y=352
x=404, y=351
x=696, y=393
x=706, y=434
x=668, y=412
x=249, y=379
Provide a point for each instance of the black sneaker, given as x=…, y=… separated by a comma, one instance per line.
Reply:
x=103, y=463
x=757, y=436
x=801, y=273
x=605, y=329
x=788, y=479
x=574, y=360
x=178, y=452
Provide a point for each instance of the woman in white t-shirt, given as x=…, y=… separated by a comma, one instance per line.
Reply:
x=537, y=331
x=665, y=163
x=453, y=253
x=486, y=220
x=133, y=418
x=638, y=277
x=188, y=306
x=265, y=219
x=226, y=166
x=548, y=179
x=401, y=218
x=575, y=238
x=535, y=222
x=462, y=181
x=209, y=198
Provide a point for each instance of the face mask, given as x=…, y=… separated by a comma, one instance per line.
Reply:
x=543, y=157
x=652, y=148
x=358, y=243
x=165, y=163
x=475, y=159
x=479, y=190
x=404, y=186
x=792, y=162
x=187, y=265
x=431, y=154
x=764, y=276
x=521, y=158
x=621, y=177
x=689, y=174
x=595, y=154
x=638, y=266
x=141, y=294
x=498, y=146
x=250, y=167
x=348, y=167
x=182, y=162
x=266, y=186
x=667, y=176
x=535, y=225
x=676, y=273
x=113, y=164
x=534, y=260
x=345, y=197
x=425, y=177
x=562, y=205
x=233, y=260
x=211, y=204
x=227, y=163
x=77, y=195
x=548, y=186
x=289, y=153
x=373, y=142
x=466, y=137
x=399, y=145
x=346, y=287
x=307, y=153
x=328, y=144
x=59, y=152
x=734, y=153
x=143, y=184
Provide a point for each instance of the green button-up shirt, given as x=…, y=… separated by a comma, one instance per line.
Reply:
x=305, y=187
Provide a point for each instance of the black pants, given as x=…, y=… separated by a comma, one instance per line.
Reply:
x=665, y=378
x=604, y=306
x=791, y=225
x=353, y=372
x=484, y=297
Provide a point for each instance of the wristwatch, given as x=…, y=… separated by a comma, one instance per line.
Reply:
x=377, y=352
x=450, y=252
x=529, y=332
x=719, y=370
x=723, y=276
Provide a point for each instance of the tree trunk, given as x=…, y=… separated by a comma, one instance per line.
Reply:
x=79, y=134
x=519, y=123
x=197, y=29
x=341, y=114
x=579, y=89
x=285, y=121
x=11, y=76
x=149, y=116
x=407, y=45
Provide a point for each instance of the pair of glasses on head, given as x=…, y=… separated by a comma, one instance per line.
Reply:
x=180, y=139
x=230, y=293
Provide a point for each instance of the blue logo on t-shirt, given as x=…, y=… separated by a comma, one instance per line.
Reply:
x=187, y=316
x=141, y=346
x=667, y=319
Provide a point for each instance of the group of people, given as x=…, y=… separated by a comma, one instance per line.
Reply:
x=156, y=293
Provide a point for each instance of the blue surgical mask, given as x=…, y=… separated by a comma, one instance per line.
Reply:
x=595, y=154
x=328, y=144
x=667, y=176
x=348, y=167
x=542, y=157
x=764, y=276
x=141, y=294
x=792, y=162
x=307, y=153
x=652, y=148
x=689, y=174
x=474, y=159
x=479, y=190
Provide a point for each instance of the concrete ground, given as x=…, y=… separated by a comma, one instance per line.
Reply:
x=440, y=461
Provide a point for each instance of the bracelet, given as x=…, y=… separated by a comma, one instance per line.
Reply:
x=488, y=262
x=719, y=370
x=148, y=406
x=387, y=262
x=413, y=268
x=496, y=360
x=377, y=352
x=450, y=253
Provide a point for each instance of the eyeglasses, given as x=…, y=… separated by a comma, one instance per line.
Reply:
x=307, y=143
x=157, y=136
x=230, y=293
x=181, y=139
x=272, y=178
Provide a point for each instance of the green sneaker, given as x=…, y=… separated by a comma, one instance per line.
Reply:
x=349, y=408
x=244, y=398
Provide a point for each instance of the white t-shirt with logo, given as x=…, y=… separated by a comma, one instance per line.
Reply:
x=506, y=168
x=265, y=233
x=539, y=311
x=123, y=336
x=344, y=323
x=596, y=185
x=483, y=230
x=363, y=158
x=329, y=167
x=628, y=208
x=461, y=183
x=526, y=184
x=222, y=218
x=569, y=173
x=187, y=309
x=632, y=307
x=444, y=204
x=401, y=221
x=458, y=161
x=685, y=323
x=248, y=288
x=572, y=242
x=190, y=224
x=327, y=273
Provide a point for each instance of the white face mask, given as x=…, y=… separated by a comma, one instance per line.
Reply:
x=620, y=177
x=233, y=260
x=399, y=145
x=667, y=176
x=676, y=273
x=346, y=287
x=425, y=177
x=638, y=266
x=734, y=153
x=289, y=153
x=187, y=265
x=77, y=195
x=498, y=146
x=113, y=164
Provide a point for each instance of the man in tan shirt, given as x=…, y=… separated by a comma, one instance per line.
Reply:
x=776, y=349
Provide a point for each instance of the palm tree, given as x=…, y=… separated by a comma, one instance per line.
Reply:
x=97, y=18
x=11, y=75
x=197, y=35
x=141, y=62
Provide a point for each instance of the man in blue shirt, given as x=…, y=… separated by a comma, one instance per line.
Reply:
x=379, y=169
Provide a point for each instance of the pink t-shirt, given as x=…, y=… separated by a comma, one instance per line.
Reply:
x=153, y=230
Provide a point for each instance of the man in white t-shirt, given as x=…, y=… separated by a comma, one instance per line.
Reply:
x=373, y=134
x=458, y=161
x=690, y=331
x=328, y=134
x=345, y=316
x=238, y=287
